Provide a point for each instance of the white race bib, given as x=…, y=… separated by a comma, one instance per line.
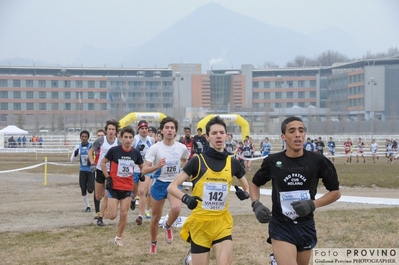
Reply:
x=214, y=196
x=125, y=168
x=287, y=197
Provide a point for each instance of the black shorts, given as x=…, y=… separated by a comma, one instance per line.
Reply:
x=301, y=234
x=100, y=178
x=86, y=181
x=119, y=194
x=200, y=249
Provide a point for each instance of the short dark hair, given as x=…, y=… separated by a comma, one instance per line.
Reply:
x=288, y=120
x=169, y=119
x=127, y=129
x=213, y=121
x=199, y=129
x=85, y=132
x=187, y=128
x=112, y=122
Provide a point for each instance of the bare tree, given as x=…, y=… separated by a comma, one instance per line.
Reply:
x=330, y=57
x=269, y=64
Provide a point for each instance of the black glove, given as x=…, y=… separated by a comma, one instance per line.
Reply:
x=190, y=201
x=76, y=152
x=304, y=207
x=108, y=184
x=141, y=177
x=241, y=194
x=93, y=168
x=141, y=147
x=262, y=213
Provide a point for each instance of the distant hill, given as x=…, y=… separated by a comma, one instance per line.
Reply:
x=217, y=38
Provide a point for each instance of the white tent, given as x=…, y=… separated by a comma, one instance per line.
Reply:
x=12, y=129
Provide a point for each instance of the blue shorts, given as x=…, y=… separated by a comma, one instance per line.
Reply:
x=302, y=234
x=159, y=190
x=265, y=153
x=332, y=152
x=136, y=176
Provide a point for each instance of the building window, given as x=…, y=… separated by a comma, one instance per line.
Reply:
x=29, y=94
x=42, y=83
x=79, y=106
x=301, y=83
x=290, y=84
x=17, y=94
x=54, y=106
x=290, y=104
x=17, y=106
x=29, y=83
x=103, y=84
x=3, y=94
x=67, y=106
x=90, y=95
x=16, y=83
x=67, y=95
x=42, y=94
x=278, y=94
x=4, y=106
x=279, y=84
x=67, y=83
x=256, y=96
x=54, y=83
x=312, y=94
x=255, y=84
x=29, y=106
x=79, y=84
x=312, y=83
x=301, y=94
x=54, y=95
x=103, y=95
x=301, y=104
x=267, y=84
x=42, y=106
x=167, y=105
x=103, y=106
x=90, y=106
x=290, y=94
x=3, y=83
x=266, y=95
x=91, y=84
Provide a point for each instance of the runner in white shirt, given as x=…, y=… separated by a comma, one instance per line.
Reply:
x=164, y=159
x=374, y=150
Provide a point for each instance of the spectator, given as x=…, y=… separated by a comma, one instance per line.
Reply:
x=24, y=141
x=19, y=140
x=40, y=140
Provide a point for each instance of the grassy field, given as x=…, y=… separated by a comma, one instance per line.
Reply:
x=92, y=245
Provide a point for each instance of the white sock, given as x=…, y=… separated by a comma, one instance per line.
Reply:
x=86, y=200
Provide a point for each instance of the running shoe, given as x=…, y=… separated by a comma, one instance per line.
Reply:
x=133, y=204
x=139, y=220
x=100, y=221
x=118, y=241
x=168, y=234
x=96, y=215
x=272, y=259
x=187, y=258
x=87, y=210
x=148, y=214
x=153, y=248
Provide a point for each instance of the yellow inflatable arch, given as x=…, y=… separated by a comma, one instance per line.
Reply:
x=227, y=118
x=134, y=116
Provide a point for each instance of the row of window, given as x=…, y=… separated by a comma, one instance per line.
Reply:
x=279, y=95
x=284, y=84
x=283, y=105
x=53, y=83
x=140, y=84
x=51, y=106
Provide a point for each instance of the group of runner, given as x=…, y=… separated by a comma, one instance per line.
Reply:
x=163, y=166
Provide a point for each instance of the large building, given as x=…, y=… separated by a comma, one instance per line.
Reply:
x=57, y=98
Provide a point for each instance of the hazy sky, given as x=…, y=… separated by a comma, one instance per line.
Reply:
x=54, y=31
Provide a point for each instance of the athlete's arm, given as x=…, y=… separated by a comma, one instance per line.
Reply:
x=104, y=167
x=149, y=167
x=173, y=187
x=183, y=162
x=327, y=198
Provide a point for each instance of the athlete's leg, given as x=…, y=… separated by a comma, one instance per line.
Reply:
x=112, y=208
x=223, y=252
x=175, y=208
x=285, y=253
x=157, y=206
x=124, y=208
x=200, y=258
x=143, y=188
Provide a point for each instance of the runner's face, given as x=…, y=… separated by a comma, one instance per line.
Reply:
x=100, y=134
x=169, y=131
x=143, y=131
x=127, y=140
x=84, y=138
x=294, y=135
x=217, y=137
x=111, y=131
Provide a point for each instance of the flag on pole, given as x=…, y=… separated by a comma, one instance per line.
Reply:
x=96, y=96
x=80, y=98
x=123, y=97
x=111, y=98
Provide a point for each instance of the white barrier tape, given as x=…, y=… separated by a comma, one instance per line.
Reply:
x=58, y=164
x=20, y=169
